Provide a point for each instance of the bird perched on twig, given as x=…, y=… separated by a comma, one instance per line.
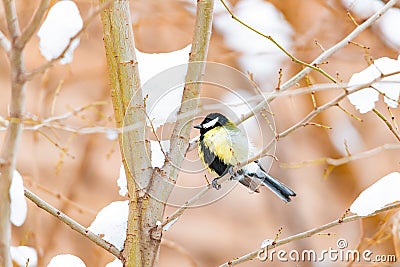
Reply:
x=222, y=146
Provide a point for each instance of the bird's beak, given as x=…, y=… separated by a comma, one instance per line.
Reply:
x=198, y=126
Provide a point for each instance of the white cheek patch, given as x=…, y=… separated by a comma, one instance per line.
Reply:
x=210, y=123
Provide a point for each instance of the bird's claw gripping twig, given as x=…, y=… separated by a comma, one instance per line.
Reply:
x=235, y=175
x=231, y=172
x=215, y=184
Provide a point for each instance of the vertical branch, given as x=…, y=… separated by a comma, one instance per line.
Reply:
x=190, y=97
x=187, y=111
x=10, y=145
x=162, y=181
x=194, y=76
x=12, y=19
x=128, y=109
x=14, y=49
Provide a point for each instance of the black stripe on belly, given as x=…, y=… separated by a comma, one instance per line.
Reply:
x=213, y=161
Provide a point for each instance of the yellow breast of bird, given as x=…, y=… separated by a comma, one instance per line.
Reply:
x=229, y=145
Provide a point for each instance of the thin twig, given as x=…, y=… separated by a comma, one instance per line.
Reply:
x=383, y=94
x=317, y=125
x=346, y=148
x=86, y=23
x=322, y=57
x=298, y=125
x=388, y=124
x=33, y=25
x=305, y=234
x=188, y=204
x=349, y=113
x=79, y=208
x=62, y=149
x=48, y=122
x=351, y=18
x=12, y=19
x=319, y=45
x=270, y=38
x=314, y=113
x=283, y=134
x=344, y=160
x=72, y=224
x=153, y=129
x=393, y=119
x=56, y=94
x=278, y=86
x=314, y=101
x=54, y=121
x=8, y=154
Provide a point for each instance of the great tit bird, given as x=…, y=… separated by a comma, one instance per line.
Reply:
x=222, y=146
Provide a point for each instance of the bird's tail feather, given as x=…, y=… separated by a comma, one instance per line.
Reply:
x=277, y=187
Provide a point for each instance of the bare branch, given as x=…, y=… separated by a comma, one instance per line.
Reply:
x=388, y=124
x=332, y=103
x=8, y=153
x=269, y=37
x=190, y=99
x=344, y=160
x=303, y=122
x=12, y=19
x=55, y=122
x=349, y=113
x=305, y=234
x=153, y=130
x=140, y=249
x=33, y=24
x=72, y=224
x=49, y=122
x=322, y=57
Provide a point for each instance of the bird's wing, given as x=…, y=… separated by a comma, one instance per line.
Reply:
x=242, y=148
x=256, y=172
x=252, y=184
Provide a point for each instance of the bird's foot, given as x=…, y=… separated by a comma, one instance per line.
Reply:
x=231, y=171
x=215, y=184
x=235, y=175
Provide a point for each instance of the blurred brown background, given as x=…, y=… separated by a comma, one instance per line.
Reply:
x=83, y=180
